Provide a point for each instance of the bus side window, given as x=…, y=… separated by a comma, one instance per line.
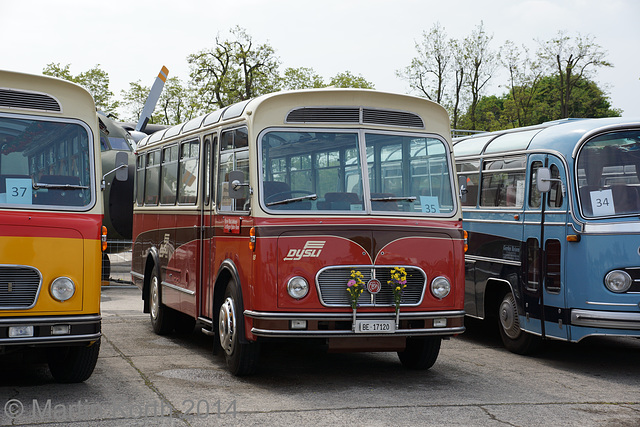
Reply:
x=152, y=179
x=534, y=194
x=533, y=264
x=555, y=194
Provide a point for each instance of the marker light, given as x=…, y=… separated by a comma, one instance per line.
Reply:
x=104, y=238
x=297, y=287
x=466, y=240
x=62, y=288
x=252, y=238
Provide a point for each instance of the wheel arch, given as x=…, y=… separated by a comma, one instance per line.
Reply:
x=227, y=271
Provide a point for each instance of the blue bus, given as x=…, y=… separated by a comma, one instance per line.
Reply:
x=552, y=214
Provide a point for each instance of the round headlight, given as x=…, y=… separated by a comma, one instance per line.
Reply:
x=618, y=281
x=440, y=287
x=62, y=288
x=298, y=287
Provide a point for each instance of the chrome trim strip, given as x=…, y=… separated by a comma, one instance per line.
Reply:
x=349, y=316
x=493, y=221
x=349, y=333
x=605, y=319
x=137, y=275
x=612, y=228
x=612, y=304
x=50, y=320
x=178, y=288
x=50, y=339
x=487, y=259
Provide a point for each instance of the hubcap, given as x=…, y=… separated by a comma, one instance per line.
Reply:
x=509, y=317
x=155, y=297
x=227, y=325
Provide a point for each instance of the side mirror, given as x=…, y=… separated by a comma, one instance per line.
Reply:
x=236, y=182
x=122, y=166
x=543, y=180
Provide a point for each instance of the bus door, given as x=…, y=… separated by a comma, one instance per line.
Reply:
x=545, y=222
x=207, y=231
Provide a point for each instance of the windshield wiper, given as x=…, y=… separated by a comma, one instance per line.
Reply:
x=294, y=199
x=394, y=199
x=39, y=185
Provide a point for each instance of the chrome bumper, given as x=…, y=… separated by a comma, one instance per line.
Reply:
x=332, y=325
x=605, y=319
x=83, y=328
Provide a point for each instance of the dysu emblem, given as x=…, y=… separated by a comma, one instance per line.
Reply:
x=311, y=249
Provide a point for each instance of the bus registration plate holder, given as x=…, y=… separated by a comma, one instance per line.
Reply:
x=375, y=326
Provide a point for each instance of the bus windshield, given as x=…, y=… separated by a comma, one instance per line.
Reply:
x=44, y=163
x=323, y=171
x=609, y=175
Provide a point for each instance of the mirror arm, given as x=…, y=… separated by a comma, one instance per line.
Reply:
x=103, y=184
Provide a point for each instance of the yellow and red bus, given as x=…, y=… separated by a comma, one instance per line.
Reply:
x=50, y=223
x=325, y=214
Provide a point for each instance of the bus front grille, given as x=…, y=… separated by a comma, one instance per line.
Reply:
x=19, y=287
x=331, y=283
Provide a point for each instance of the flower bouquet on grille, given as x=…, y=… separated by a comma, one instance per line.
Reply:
x=398, y=282
x=355, y=287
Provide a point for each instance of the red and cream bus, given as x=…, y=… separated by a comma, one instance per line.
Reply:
x=50, y=222
x=328, y=214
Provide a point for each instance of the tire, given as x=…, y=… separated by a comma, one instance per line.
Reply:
x=162, y=317
x=420, y=353
x=513, y=337
x=241, y=357
x=184, y=324
x=73, y=364
x=106, y=267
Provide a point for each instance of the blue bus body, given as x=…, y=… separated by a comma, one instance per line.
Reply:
x=557, y=264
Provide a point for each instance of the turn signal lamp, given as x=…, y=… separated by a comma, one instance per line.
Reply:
x=466, y=241
x=252, y=238
x=104, y=238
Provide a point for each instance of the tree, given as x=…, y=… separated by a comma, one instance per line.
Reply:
x=427, y=73
x=481, y=64
x=301, y=78
x=348, y=80
x=571, y=61
x=459, y=69
x=95, y=80
x=234, y=70
x=134, y=100
x=524, y=79
x=175, y=104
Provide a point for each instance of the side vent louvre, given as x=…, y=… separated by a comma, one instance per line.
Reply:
x=355, y=116
x=28, y=100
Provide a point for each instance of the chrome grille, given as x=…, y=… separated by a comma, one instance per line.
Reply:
x=331, y=283
x=392, y=118
x=19, y=286
x=355, y=115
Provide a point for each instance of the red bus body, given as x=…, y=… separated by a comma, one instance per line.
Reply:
x=224, y=262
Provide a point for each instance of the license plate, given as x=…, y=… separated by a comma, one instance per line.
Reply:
x=375, y=326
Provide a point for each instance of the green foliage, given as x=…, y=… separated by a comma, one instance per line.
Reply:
x=301, y=78
x=348, y=80
x=95, y=80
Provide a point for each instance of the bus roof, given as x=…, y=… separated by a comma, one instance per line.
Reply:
x=560, y=135
x=44, y=95
x=274, y=107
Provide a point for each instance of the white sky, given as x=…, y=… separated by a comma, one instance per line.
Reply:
x=132, y=39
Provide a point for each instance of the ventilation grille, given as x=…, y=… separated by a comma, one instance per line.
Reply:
x=28, y=100
x=392, y=118
x=332, y=286
x=19, y=287
x=355, y=116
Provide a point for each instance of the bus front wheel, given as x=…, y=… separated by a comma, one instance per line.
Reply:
x=420, y=353
x=241, y=357
x=73, y=364
x=513, y=337
x=161, y=316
